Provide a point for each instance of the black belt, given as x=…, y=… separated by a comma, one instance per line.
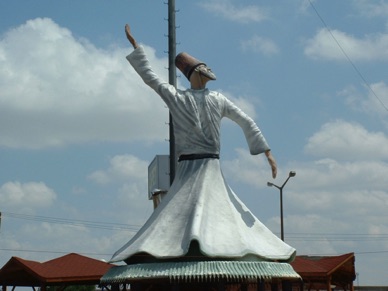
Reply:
x=198, y=157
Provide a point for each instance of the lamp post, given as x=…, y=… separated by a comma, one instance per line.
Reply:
x=269, y=184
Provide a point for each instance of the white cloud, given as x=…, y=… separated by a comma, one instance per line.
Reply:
x=26, y=196
x=336, y=209
x=251, y=170
x=332, y=44
x=63, y=239
x=338, y=202
x=121, y=168
x=243, y=102
x=259, y=44
x=375, y=103
x=58, y=90
x=343, y=140
x=304, y=5
x=372, y=8
x=129, y=175
x=307, y=232
x=242, y=14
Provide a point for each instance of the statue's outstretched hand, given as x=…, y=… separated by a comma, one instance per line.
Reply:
x=129, y=36
x=272, y=163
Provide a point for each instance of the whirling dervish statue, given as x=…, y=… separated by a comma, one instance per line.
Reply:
x=201, y=218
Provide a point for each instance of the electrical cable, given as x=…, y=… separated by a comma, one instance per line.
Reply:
x=120, y=226
x=347, y=57
x=73, y=222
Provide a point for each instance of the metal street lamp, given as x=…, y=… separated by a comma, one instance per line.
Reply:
x=291, y=174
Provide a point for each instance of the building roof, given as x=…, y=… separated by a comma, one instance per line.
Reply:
x=340, y=269
x=71, y=268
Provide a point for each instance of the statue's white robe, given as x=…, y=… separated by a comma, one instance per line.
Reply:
x=200, y=206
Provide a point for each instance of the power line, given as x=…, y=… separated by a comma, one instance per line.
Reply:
x=296, y=236
x=347, y=57
x=73, y=222
x=291, y=236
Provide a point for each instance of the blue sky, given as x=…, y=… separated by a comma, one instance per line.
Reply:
x=78, y=127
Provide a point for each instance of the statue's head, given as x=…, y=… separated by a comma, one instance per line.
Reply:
x=188, y=64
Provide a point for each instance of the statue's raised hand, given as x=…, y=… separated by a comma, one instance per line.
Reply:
x=129, y=36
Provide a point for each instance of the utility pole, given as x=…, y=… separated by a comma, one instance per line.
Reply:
x=171, y=79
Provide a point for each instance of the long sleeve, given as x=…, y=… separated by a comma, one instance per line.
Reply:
x=255, y=139
x=140, y=63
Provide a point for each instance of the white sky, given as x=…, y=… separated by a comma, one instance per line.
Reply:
x=78, y=127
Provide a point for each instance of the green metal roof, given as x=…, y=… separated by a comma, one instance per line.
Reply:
x=200, y=271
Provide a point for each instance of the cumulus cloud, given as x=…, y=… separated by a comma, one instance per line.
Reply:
x=242, y=14
x=260, y=44
x=377, y=101
x=58, y=90
x=129, y=174
x=243, y=102
x=344, y=187
x=304, y=5
x=334, y=44
x=252, y=170
x=372, y=8
x=343, y=140
x=335, y=207
x=63, y=239
x=121, y=168
x=374, y=102
x=28, y=196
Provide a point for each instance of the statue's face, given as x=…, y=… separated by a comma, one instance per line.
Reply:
x=205, y=71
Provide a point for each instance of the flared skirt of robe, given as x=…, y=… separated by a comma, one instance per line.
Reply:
x=201, y=207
